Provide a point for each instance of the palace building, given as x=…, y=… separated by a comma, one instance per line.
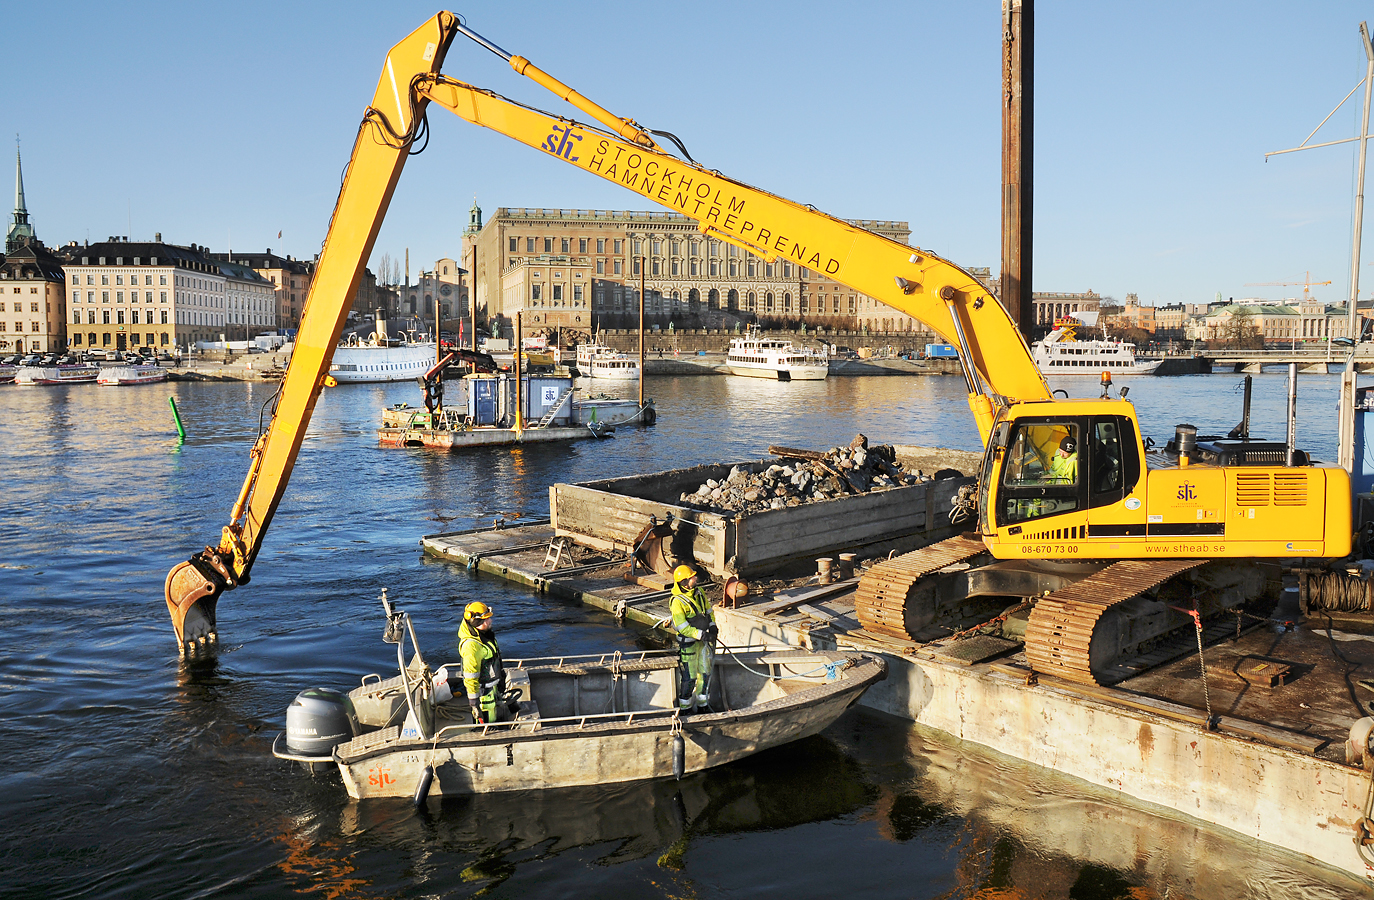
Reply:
x=580, y=268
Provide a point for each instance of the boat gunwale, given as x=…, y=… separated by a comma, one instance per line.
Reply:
x=868, y=669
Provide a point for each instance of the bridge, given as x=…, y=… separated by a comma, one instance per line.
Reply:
x=1319, y=361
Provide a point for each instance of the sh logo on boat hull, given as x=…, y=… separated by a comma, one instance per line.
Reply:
x=560, y=142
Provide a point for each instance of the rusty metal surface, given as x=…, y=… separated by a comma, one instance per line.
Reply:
x=1059, y=636
x=883, y=590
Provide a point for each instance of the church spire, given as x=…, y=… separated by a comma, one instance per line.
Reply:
x=21, y=232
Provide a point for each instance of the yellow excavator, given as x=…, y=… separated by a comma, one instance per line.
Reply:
x=1110, y=542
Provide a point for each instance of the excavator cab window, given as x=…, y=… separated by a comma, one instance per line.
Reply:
x=1041, y=475
x=1113, y=466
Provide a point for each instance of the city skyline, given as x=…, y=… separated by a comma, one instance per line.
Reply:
x=1150, y=137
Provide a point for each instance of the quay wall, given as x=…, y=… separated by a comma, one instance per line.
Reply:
x=1284, y=798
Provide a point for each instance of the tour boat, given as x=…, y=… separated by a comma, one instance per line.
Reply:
x=391, y=359
x=596, y=360
x=565, y=721
x=132, y=375
x=7, y=373
x=1061, y=352
x=614, y=367
x=758, y=357
x=68, y=374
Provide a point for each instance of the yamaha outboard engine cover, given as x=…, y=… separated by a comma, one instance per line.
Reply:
x=318, y=720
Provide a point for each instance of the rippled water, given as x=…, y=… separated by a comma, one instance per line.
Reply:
x=127, y=775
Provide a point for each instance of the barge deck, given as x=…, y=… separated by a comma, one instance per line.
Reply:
x=1270, y=768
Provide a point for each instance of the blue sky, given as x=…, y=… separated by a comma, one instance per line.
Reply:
x=206, y=121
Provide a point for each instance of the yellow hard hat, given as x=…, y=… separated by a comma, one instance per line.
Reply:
x=476, y=611
x=682, y=573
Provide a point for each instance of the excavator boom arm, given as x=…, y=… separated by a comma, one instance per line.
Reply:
x=383, y=142
x=998, y=366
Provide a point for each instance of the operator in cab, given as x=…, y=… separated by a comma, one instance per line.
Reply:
x=1063, y=467
x=484, y=676
x=694, y=620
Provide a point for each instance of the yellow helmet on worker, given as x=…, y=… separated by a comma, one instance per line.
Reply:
x=682, y=573
x=476, y=611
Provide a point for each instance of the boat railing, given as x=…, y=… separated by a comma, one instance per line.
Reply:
x=590, y=659
x=539, y=724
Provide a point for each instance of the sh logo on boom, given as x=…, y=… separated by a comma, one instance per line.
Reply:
x=560, y=142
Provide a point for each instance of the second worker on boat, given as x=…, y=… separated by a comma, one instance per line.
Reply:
x=694, y=621
x=484, y=676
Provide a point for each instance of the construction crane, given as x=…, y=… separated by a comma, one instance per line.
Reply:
x=1307, y=285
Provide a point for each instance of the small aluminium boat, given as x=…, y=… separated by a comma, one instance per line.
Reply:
x=132, y=375
x=579, y=720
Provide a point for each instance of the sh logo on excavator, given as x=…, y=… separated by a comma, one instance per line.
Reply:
x=560, y=142
x=1186, y=492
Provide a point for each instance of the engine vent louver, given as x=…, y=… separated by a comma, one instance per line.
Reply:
x=1252, y=489
x=1290, y=488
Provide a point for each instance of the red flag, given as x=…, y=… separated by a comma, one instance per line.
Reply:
x=278, y=235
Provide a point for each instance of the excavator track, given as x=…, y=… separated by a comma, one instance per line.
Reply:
x=1060, y=632
x=884, y=589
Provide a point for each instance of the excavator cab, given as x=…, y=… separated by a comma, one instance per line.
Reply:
x=1072, y=479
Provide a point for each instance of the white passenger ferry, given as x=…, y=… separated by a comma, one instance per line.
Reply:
x=7, y=373
x=72, y=374
x=1061, y=352
x=757, y=357
x=596, y=360
x=121, y=375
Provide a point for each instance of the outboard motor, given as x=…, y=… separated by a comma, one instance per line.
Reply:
x=318, y=720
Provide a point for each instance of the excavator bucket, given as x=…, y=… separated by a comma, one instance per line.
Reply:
x=650, y=564
x=192, y=595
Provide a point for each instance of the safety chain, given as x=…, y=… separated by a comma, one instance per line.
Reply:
x=995, y=620
x=1202, y=663
x=1288, y=624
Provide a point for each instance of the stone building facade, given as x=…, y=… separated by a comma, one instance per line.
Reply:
x=129, y=294
x=689, y=280
x=290, y=278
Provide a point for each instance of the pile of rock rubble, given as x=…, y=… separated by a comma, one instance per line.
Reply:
x=843, y=471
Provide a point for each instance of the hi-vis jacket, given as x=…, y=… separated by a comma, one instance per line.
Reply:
x=692, y=612
x=481, y=661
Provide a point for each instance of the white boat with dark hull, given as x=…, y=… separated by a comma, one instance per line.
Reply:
x=575, y=720
x=1062, y=352
x=68, y=374
x=122, y=375
x=7, y=373
x=382, y=357
x=756, y=357
x=370, y=363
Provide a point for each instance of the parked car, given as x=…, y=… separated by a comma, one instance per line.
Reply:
x=133, y=359
x=111, y=356
x=10, y=360
x=32, y=359
x=67, y=360
x=49, y=359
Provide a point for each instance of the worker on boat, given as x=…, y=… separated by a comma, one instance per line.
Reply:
x=694, y=620
x=484, y=676
x=1063, y=467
